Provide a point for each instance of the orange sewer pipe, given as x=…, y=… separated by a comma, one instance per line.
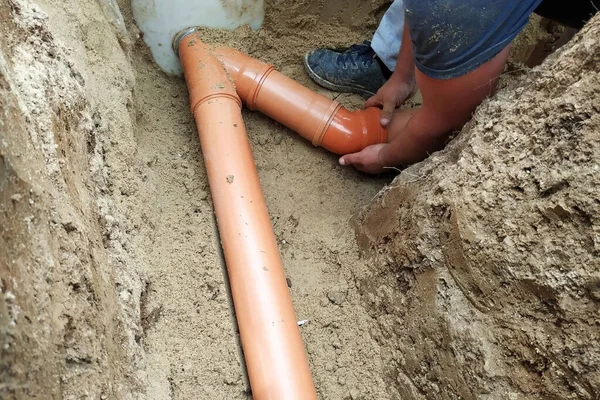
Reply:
x=273, y=350
x=315, y=117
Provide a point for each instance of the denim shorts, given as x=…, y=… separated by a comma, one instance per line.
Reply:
x=453, y=37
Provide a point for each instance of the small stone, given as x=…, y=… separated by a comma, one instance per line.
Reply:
x=16, y=197
x=595, y=291
x=330, y=367
x=309, y=349
x=289, y=282
x=69, y=226
x=354, y=394
x=229, y=178
x=337, y=297
x=342, y=380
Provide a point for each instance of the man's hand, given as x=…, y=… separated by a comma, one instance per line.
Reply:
x=391, y=95
x=366, y=160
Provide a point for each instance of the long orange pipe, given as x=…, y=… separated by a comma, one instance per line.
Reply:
x=273, y=350
x=315, y=117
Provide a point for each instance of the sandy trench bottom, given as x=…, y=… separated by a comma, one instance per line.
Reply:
x=190, y=339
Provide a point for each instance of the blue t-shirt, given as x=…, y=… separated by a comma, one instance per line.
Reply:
x=453, y=37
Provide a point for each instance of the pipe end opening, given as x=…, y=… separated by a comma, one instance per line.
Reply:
x=179, y=36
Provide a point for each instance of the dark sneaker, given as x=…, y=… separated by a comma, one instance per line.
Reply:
x=354, y=70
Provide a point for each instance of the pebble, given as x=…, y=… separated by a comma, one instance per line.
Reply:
x=337, y=297
x=69, y=226
x=230, y=380
x=330, y=366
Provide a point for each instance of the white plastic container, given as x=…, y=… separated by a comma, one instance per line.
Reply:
x=161, y=20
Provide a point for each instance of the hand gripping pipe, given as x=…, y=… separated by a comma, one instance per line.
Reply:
x=315, y=117
x=273, y=350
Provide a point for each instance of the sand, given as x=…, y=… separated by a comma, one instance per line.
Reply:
x=173, y=319
x=113, y=284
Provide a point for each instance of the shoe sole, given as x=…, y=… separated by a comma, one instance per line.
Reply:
x=332, y=86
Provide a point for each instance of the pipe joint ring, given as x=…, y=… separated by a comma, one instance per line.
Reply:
x=179, y=36
x=216, y=96
x=257, y=84
x=325, y=123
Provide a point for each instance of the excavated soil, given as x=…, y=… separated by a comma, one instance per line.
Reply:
x=485, y=276
x=112, y=284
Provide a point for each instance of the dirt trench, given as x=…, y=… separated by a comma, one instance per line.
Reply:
x=112, y=285
x=130, y=177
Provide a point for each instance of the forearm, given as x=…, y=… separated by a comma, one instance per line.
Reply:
x=405, y=66
x=415, y=141
x=447, y=105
